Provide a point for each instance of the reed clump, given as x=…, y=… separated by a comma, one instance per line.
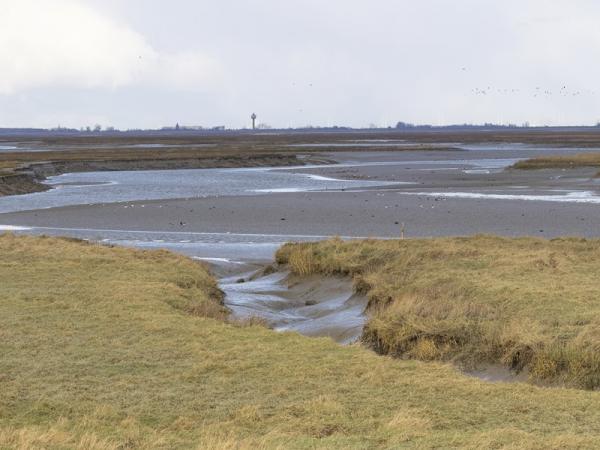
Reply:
x=528, y=304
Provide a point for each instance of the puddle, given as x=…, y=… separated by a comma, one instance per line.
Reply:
x=569, y=197
x=498, y=374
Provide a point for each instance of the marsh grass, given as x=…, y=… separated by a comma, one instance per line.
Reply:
x=99, y=350
x=560, y=162
x=524, y=303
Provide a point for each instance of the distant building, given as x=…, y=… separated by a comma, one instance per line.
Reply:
x=253, y=117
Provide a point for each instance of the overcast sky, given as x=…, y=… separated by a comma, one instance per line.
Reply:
x=150, y=63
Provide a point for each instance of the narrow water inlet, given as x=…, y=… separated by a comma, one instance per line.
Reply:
x=313, y=306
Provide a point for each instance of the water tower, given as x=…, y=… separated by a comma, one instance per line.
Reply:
x=253, y=117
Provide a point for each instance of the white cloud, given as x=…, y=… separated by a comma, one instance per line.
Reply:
x=185, y=70
x=66, y=43
x=296, y=62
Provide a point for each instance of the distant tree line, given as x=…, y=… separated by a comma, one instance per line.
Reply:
x=466, y=126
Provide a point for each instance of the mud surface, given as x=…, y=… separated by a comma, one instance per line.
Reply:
x=431, y=193
x=20, y=184
x=498, y=374
x=30, y=178
x=313, y=306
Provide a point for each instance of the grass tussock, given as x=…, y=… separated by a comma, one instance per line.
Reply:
x=524, y=303
x=99, y=351
x=560, y=162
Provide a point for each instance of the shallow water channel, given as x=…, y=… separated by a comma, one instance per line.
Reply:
x=313, y=306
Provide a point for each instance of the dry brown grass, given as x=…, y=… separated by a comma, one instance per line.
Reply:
x=523, y=303
x=35, y=437
x=98, y=350
x=560, y=162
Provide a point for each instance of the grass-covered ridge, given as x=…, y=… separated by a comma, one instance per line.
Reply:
x=560, y=162
x=108, y=348
x=524, y=303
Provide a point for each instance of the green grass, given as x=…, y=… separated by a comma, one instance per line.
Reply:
x=523, y=303
x=109, y=348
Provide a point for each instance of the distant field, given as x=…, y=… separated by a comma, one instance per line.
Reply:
x=526, y=304
x=108, y=348
x=70, y=148
x=42, y=156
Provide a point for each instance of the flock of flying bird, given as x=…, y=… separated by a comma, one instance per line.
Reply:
x=537, y=92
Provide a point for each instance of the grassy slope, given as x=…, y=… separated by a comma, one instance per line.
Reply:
x=523, y=303
x=99, y=351
x=560, y=162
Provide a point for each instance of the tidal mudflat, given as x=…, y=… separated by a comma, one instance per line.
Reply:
x=237, y=218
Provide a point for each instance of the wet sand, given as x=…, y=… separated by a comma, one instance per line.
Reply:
x=425, y=204
x=362, y=214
